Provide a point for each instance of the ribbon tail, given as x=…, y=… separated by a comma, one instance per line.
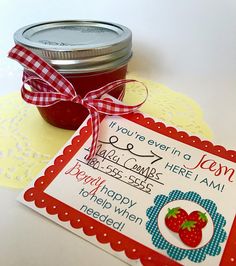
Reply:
x=95, y=122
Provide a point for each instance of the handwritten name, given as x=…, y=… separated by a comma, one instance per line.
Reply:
x=82, y=176
x=213, y=166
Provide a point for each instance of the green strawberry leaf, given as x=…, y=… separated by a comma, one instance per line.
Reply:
x=202, y=216
x=173, y=212
x=189, y=225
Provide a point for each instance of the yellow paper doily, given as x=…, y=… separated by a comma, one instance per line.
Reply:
x=27, y=142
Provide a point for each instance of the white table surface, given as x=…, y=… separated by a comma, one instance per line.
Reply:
x=189, y=45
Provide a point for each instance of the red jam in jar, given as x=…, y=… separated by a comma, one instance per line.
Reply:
x=89, y=54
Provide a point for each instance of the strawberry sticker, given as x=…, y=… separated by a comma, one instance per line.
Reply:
x=190, y=233
x=201, y=233
x=175, y=218
x=189, y=227
x=199, y=217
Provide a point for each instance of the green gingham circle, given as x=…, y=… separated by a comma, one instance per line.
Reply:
x=196, y=255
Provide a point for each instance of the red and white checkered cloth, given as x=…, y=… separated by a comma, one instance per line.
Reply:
x=51, y=87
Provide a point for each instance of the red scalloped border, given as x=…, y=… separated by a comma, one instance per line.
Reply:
x=103, y=233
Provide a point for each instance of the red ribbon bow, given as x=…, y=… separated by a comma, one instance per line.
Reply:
x=51, y=87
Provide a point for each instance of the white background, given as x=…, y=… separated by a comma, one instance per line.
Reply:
x=189, y=45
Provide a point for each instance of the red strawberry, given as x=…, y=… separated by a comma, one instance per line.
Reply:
x=199, y=217
x=190, y=233
x=174, y=218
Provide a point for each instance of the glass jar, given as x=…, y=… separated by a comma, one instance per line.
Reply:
x=89, y=54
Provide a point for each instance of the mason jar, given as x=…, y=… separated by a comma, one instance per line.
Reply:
x=89, y=54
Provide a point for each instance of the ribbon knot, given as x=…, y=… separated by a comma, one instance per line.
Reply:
x=50, y=87
x=78, y=99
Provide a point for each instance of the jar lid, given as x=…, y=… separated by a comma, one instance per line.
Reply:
x=78, y=46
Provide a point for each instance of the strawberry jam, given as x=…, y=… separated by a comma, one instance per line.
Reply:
x=70, y=115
